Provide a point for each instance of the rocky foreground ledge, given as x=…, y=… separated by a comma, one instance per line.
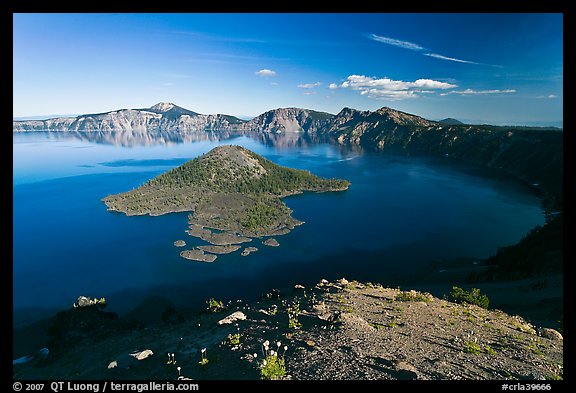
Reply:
x=334, y=330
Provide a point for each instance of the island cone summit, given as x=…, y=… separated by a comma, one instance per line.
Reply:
x=230, y=189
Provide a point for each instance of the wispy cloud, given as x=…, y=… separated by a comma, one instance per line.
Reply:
x=471, y=92
x=395, y=42
x=265, y=72
x=333, y=86
x=309, y=93
x=309, y=85
x=549, y=96
x=387, y=88
x=418, y=48
x=441, y=57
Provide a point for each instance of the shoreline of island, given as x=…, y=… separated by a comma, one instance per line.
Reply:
x=233, y=196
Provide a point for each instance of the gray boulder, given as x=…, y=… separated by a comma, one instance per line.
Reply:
x=235, y=316
x=142, y=354
x=551, y=334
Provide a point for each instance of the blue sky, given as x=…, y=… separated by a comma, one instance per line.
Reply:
x=496, y=68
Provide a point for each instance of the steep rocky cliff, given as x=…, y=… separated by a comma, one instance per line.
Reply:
x=163, y=116
x=532, y=154
x=289, y=120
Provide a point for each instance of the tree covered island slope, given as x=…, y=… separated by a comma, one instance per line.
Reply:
x=229, y=188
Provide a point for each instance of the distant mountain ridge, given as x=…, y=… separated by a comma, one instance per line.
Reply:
x=166, y=116
x=451, y=122
x=532, y=154
x=169, y=109
x=163, y=116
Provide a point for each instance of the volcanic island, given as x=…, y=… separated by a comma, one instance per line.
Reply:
x=233, y=194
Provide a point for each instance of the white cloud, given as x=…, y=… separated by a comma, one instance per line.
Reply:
x=309, y=93
x=265, y=72
x=393, y=89
x=309, y=85
x=471, y=92
x=552, y=96
x=333, y=86
x=395, y=42
x=441, y=57
x=432, y=84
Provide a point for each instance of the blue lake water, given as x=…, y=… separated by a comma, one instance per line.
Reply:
x=399, y=214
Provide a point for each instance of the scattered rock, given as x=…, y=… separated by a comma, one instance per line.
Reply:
x=551, y=334
x=217, y=239
x=235, y=316
x=335, y=316
x=298, y=286
x=520, y=324
x=227, y=238
x=220, y=249
x=85, y=301
x=179, y=243
x=130, y=360
x=271, y=242
x=282, y=231
x=199, y=231
x=405, y=370
x=323, y=313
x=324, y=282
x=142, y=354
x=343, y=282
x=350, y=334
x=198, y=255
x=248, y=250
x=354, y=321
